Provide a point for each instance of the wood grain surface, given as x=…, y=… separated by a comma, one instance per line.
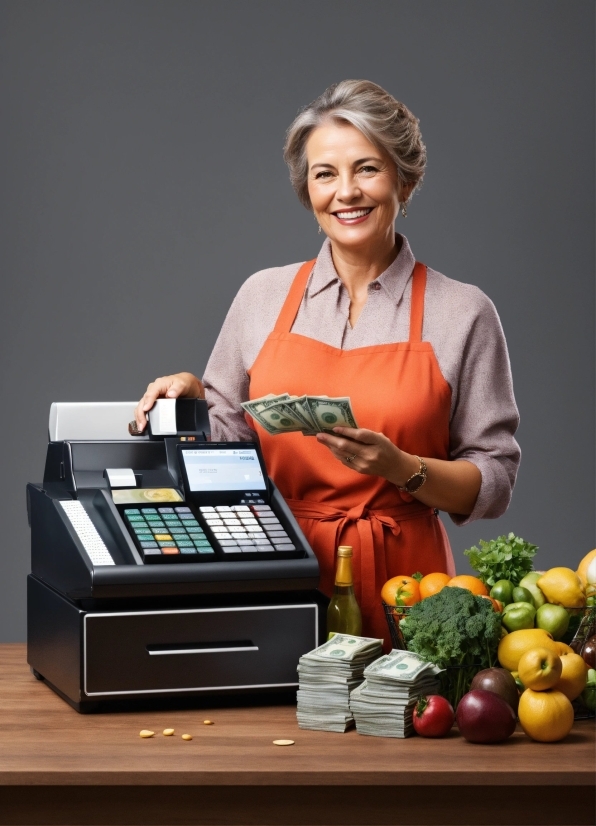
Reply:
x=57, y=766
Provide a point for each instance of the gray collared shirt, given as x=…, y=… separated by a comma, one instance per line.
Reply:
x=460, y=322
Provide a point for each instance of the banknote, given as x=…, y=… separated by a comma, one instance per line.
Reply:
x=345, y=647
x=403, y=666
x=330, y=413
x=285, y=413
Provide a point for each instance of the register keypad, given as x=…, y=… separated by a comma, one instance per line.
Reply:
x=173, y=534
x=168, y=532
x=242, y=529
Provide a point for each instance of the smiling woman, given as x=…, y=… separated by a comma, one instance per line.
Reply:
x=422, y=358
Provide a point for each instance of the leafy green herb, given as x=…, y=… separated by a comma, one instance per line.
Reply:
x=507, y=557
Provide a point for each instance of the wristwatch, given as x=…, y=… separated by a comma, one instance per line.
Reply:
x=416, y=481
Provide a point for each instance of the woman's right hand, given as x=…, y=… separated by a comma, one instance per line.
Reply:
x=168, y=387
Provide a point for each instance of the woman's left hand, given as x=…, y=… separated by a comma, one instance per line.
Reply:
x=368, y=452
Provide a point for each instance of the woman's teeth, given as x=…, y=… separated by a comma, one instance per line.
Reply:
x=356, y=213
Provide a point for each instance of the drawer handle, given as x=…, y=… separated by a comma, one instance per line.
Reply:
x=202, y=648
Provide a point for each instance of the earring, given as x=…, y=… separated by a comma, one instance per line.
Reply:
x=404, y=210
x=319, y=230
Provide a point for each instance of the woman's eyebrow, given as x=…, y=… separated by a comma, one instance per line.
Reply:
x=356, y=163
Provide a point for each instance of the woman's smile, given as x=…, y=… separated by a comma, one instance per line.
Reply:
x=353, y=216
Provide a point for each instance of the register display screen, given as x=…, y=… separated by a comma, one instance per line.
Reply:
x=220, y=469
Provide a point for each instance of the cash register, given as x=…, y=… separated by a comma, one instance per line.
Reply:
x=163, y=564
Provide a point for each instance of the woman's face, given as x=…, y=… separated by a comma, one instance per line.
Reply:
x=353, y=186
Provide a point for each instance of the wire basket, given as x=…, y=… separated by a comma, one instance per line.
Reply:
x=455, y=680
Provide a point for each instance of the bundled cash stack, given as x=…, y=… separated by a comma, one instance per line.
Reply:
x=384, y=703
x=306, y=414
x=327, y=675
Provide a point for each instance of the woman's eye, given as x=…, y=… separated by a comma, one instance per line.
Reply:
x=324, y=174
x=368, y=169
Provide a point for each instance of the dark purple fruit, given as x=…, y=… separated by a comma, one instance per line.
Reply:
x=499, y=681
x=589, y=652
x=484, y=717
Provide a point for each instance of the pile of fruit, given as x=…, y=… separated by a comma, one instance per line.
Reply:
x=541, y=675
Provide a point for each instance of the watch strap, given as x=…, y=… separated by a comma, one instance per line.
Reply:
x=417, y=479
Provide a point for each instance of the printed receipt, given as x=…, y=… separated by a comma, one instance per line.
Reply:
x=163, y=417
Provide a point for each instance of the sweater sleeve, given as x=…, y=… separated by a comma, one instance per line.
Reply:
x=249, y=321
x=484, y=414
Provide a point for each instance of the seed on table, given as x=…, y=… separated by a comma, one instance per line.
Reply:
x=167, y=732
x=283, y=742
x=207, y=722
x=146, y=733
x=187, y=736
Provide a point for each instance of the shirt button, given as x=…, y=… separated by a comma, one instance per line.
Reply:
x=375, y=286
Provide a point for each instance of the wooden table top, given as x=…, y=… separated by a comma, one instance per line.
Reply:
x=45, y=742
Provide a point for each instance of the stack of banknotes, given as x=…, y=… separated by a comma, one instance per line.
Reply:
x=308, y=414
x=384, y=703
x=327, y=675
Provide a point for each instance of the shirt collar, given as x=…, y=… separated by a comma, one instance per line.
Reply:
x=393, y=280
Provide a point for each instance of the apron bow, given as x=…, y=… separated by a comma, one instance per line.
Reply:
x=370, y=569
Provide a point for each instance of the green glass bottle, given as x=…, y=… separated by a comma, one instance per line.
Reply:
x=343, y=614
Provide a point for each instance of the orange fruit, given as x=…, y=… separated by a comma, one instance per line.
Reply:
x=497, y=605
x=546, y=716
x=517, y=643
x=573, y=677
x=539, y=669
x=563, y=648
x=471, y=583
x=432, y=584
x=400, y=591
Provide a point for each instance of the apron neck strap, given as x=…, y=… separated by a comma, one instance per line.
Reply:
x=417, y=304
x=291, y=305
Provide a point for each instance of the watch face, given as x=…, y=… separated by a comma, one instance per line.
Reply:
x=415, y=482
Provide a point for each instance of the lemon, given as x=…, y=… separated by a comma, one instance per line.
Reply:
x=517, y=643
x=562, y=586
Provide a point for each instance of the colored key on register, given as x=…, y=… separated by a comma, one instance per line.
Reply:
x=168, y=532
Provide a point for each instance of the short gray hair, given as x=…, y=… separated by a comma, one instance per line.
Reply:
x=382, y=119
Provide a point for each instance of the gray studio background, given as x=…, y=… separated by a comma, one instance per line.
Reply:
x=142, y=181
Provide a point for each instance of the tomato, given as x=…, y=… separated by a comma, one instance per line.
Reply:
x=433, y=716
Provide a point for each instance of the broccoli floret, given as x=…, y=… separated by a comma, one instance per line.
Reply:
x=453, y=627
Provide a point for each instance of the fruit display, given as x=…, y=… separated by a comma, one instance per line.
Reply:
x=512, y=642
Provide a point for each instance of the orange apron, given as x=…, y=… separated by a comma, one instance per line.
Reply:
x=395, y=389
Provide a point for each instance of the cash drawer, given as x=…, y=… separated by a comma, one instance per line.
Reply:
x=203, y=649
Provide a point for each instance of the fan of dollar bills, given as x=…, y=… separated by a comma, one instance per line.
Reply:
x=309, y=414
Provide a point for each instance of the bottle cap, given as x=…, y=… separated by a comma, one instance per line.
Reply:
x=344, y=550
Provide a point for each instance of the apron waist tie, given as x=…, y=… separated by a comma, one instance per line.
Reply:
x=370, y=525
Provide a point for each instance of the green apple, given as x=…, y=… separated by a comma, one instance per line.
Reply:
x=529, y=582
x=503, y=591
x=552, y=618
x=518, y=615
x=521, y=594
x=589, y=692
